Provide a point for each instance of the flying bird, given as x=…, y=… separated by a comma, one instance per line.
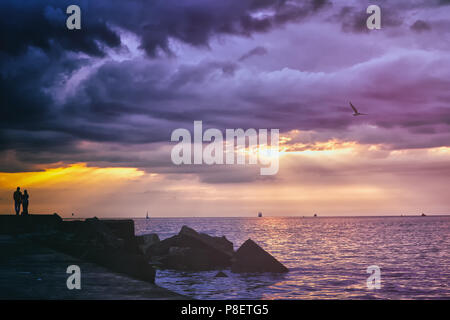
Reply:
x=355, y=112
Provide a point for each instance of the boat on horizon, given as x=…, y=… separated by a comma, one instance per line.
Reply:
x=259, y=214
x=146, y=217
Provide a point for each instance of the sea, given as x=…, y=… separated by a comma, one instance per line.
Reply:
x=327, y=257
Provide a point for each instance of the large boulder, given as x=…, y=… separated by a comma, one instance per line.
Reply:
x=189, y=259
x=190, y=250
x=202, y=239
x=252, y=258
x=147, y=240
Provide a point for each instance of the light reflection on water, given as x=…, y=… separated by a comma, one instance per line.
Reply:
x=327, y=257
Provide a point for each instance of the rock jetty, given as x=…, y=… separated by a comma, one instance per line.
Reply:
x=193, y=251
x=113, y=245
x=108, y=243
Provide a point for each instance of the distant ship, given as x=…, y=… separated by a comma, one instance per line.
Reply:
x=423, y=215
x=147, y=216
x=259, y=214
x=315, y=214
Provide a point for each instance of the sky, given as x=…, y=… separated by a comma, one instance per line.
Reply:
x=87, y=115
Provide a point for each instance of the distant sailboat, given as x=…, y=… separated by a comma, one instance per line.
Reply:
x=424, y=215
x=259, y=214
x=147, y=216
x=315, y=214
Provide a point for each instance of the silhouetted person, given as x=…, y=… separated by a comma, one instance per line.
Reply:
x=25, y=198
x=17, y=200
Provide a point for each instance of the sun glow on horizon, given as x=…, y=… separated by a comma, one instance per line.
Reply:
x=74, y=173
x=325, y=176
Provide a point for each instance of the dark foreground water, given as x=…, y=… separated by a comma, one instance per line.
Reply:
x=327, y=257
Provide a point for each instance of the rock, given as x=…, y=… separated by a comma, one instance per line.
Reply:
x=147, y=240
x=79, y=237
x=123, y=229
x=98, y=235
x=190, y=250
x=221, y=274
x=119, y=261
x=116, y=234
x=162, y=248
x=219, y=243
x=190, y=259
x=178, y=258
x=252, y=258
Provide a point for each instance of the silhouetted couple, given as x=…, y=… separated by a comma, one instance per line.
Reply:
x=21, y=199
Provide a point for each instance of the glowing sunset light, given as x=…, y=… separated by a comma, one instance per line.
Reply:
x=75, y=173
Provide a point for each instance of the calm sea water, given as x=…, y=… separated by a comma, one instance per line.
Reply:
x=327, y=257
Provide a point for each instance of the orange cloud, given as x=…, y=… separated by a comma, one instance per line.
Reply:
x=73, y=174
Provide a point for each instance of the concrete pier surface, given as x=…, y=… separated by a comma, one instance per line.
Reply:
x=31, y=271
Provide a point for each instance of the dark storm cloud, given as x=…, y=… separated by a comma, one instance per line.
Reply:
x=354, y=19
x=195, y=21
x=257, y=51
x=28, y=113
x=35, y=42
x=26, y=102
x=104, y=105
x=419, y=121
x=140, y=101
x=42, y=24
x=420, y=26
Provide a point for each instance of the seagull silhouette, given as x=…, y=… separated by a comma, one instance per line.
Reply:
x=355, y=112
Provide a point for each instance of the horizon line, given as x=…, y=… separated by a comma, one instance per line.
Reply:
x=267, y=216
